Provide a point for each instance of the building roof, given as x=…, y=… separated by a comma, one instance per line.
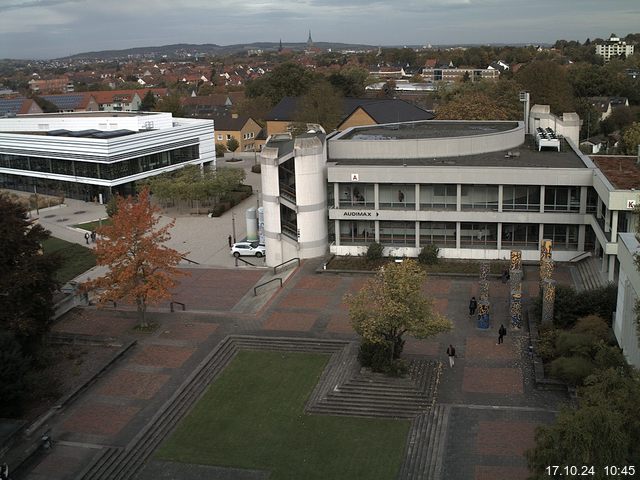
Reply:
x=525, y=156
x=229, y=122
x=382, y=110
x=15, y=106
x=437, y=129
x=622, y=171
x=69, y=101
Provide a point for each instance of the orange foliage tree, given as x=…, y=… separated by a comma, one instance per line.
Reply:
x=141, y=268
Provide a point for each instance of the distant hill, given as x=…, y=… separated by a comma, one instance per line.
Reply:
x=182, y=50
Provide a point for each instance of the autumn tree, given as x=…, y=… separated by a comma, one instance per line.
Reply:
x=27, y=278
x=141, y=268
x=631, y=139
x=392, y=304
x=548, y=84
x=322, y=104
x=482, y=100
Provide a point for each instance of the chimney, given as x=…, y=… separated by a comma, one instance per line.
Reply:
x=234, y=115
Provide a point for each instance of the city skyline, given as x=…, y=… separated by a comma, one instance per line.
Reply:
x=42, y=29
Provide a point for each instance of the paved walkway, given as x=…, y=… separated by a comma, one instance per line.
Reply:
x=493, y=407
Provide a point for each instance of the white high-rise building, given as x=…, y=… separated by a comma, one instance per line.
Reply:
x=613, y=48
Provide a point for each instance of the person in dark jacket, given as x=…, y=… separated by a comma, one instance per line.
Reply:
x=451, y=352
x=473, y=304
x=501, y=333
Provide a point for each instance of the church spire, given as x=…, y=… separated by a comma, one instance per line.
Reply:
x=280, y=47
x=309, y=40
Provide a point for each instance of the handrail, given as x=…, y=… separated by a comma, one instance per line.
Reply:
x=178, y=303
x=255, y=289
x=284, y=263
x=189, y=260
x=244, y=261
x=580, y=256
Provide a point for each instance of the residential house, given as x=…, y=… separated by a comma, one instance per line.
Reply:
x=606, y=105
x=452, y=74
x=18, y=106
x=74, y=102
x=244, y=129
x=51, y=85
x=613, y=47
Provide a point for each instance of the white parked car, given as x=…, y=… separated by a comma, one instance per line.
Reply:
x=253, y=249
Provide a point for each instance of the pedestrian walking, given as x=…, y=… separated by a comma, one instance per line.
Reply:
x=400, y=196
x=473, y=304
x=451, y=352
x=93, y=237
x=505, y=276
x=501, y=333
x=230, y=242
x=86, y=237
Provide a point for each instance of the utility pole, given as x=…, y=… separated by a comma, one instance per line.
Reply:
x=35, y=192
x=233, y=225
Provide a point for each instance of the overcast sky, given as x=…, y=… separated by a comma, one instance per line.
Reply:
x=55, y=28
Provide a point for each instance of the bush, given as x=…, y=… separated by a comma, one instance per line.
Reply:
x=14, y=370
x=220, y=150
x=609, y=356
x=594, y=326
x=377, y=357
x=256, y=168
x=112, y=206
x=569, y=344
x=572, y=370
x=374, y=251
x=546, y=348
x=429, y=254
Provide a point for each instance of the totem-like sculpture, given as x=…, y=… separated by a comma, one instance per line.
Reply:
x=546, y=262
x=515, y=299
x=548, y=300
x=483, y=302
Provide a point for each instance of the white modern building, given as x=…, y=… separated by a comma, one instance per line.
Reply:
x=613, y=48
x=91, y=155
x=625, y=323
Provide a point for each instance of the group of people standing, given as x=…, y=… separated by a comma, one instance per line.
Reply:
x=473, y=306
x=91, y=236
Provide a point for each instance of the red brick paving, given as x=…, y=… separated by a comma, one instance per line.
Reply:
x=339, y=323
x=504, y=438
x=305, y=300
x=100, y=322
x=486, y=348
x=126, y=383
x=321, y=284
x=441, y=305
x=99, y=419
x=421, y=347
x=290, y=321
x=191, y=331
x=214, y=289
x=532, y=288
x=162, y=356
x=492, y=380
x=493, y=473
x=55, y=464
x=437, y=286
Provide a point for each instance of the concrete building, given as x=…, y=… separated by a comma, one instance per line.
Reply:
x=625, y=323
x=475, y=189
x=458, y=74
x=92, y=155
x=613, y=48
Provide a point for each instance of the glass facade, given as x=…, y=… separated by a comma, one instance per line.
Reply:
x=520, y=235
x=398, y=233
x=564, y=237
x=479, y=197
x=102, y=171
x=438, y=197
x=479, y=235
x=442, y=234
x=357, y=195
x=398, y=196
x=562, y=199
x=357, y=232
x=520, y=198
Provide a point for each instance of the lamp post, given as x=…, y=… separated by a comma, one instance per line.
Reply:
x=233, y=225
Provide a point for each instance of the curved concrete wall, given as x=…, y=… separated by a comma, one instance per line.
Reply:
x=271, y=204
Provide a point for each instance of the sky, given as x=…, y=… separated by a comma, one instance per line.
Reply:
x=41, y=29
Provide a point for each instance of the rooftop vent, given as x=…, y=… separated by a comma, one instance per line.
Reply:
x=547, y=138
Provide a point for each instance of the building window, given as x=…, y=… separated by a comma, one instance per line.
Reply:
x=480, y=197
x=228, y=137
x=398, y=196
x=438, y=233
x=592, y=200
x=562, y=199
x=398, y=233
x=520, y=235
x=520, y=198
x=220, y=136
x=478, y=235
x=357, y=195
x=564, y=237
x=438, y=197
x=357, y=232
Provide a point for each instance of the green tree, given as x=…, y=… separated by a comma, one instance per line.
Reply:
x=256, y=108
x=322, y=104
x=27, y=278
x=548, y=84
x=392, y=304
x=631, y=139
x=148, y=102
x=287, y=79
x=221, y=149
x=171, y=103
x=14, y=370
x=232, y=144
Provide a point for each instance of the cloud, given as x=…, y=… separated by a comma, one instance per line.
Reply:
x=35, y=3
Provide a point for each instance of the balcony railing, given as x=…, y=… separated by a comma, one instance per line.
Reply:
x=288, y=192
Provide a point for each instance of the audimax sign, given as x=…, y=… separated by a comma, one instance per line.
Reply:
x=359, y=213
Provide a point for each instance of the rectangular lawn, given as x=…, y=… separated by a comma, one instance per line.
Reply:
x=75, y=259
x=253, y=417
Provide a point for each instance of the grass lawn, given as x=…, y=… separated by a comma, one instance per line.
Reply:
x=76, y=259
x=252, y=417
x=91, y=226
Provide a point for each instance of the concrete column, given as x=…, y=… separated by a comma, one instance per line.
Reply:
x=612, y=267
x=336, y=195
x=459, y=202
x=337, y=232
x=377, y=223
x=417, y=234
x=417, y=195
x=542, y=190
x=376, y=199
x=614, y=225
x=582, y=229
x=540, y=234
x=607, y=221
x=500, y=226
x=458, y=232
x=500, y=196
x=599, y=208
x=603, y=266
x=583, y=200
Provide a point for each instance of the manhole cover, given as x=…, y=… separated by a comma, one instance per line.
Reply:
x=49, y=216
x=79, y=212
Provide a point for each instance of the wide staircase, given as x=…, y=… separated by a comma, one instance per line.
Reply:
x=589, y=273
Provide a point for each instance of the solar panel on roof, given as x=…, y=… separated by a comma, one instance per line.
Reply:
x=65, y=103
x=58, y=133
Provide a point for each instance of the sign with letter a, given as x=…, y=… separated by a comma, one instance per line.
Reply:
x=355, y=177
